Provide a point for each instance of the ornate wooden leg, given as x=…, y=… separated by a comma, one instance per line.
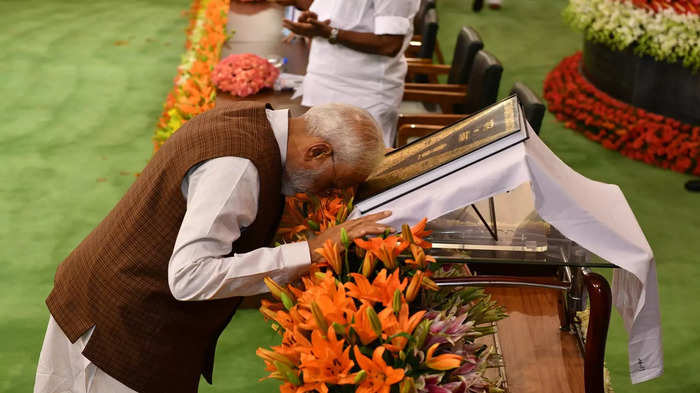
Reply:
x=600, y=299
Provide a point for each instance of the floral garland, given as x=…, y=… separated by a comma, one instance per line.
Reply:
x=666, y=30
x=193, y=91
x=634, y=132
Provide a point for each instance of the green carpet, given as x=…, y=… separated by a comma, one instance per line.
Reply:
x=79, y=114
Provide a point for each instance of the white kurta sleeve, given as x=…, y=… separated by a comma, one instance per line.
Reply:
x=222, y=198
x=394, y=16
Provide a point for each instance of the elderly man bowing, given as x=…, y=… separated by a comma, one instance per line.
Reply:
x=357, y=54
x=140, y=303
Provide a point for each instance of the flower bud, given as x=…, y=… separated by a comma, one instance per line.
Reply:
x=276, y=290
x=374, y=321
x=313, y=225
x=269, y=314
x=344, y=238
x=320, y=319
x=430, y=284
x=287, y=301
x=414, y=286
x=406, y=234
x=408, y=385
x=396, y=302
x=339, y=329
x=368, y=264
x=288, y=372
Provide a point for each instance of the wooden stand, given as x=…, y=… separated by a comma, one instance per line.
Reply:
x=540, y=346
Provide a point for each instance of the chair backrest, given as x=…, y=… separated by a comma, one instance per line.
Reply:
x=468, y=44
x=429, y=35
x=532, y=105
x=425, y=5
x=484, y=80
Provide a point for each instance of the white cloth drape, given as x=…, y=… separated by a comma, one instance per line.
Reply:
x=593, y=214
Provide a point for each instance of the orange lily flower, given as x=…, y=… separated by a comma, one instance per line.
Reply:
x=362, y=290
x=304, y=388
x=388, y=285
x=385, y=249
x=363, y=325
x=419, y=258
x=403, y=324
x=379, y=377
x=327, y=361
x=419, y=233
x=331, y=253
x=442, y=362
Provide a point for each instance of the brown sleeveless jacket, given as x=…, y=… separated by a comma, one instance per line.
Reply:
x=117, y=279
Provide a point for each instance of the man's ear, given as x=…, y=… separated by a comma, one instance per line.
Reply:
x=318, y=150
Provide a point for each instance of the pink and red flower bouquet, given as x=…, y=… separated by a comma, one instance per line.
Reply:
x=244, y=74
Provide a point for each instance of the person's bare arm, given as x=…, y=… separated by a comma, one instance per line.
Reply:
x=309, y=26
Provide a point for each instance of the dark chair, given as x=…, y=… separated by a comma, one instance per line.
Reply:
x=428, y=35
x=468, y=44
x=419, y=28
x=532, y=105
x=423, y=52
x=480, y=91
x=425, y=5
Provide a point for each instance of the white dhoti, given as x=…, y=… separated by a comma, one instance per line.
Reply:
x=63, y=368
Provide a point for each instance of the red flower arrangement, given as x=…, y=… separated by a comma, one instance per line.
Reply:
x=679, y=6
x=244, y=74
x=634, y=132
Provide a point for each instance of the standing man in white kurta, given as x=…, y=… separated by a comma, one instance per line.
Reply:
x=357, y=54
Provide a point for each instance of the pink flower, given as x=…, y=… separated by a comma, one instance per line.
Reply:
x=244, y=74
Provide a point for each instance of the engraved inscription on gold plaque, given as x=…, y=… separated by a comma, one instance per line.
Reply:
x=443, y=146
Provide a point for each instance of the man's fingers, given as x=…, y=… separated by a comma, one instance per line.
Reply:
x=376, y=216
x=307, y=15
x=370, y=229
x=317, y=22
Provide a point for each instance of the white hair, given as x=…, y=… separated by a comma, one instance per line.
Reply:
x=352, y=132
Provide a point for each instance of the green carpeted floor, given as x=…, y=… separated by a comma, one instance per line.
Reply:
x=78, y=118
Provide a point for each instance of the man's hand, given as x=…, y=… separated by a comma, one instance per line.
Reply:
x=359, y=227
x=309, y=26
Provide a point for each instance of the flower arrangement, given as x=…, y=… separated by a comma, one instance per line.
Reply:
x=193, y=91
x=244, y=74
x=367, y=320
x=307, y=215
x=634, y=132
x=668, y=30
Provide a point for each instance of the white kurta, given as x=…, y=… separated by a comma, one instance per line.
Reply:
x=222, y=200
x=337, y=73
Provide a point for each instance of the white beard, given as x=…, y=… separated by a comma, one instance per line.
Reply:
x=295, y=181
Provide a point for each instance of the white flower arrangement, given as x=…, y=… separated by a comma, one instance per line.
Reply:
x=665, y=35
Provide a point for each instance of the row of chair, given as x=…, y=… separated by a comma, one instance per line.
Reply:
x=473, y=81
